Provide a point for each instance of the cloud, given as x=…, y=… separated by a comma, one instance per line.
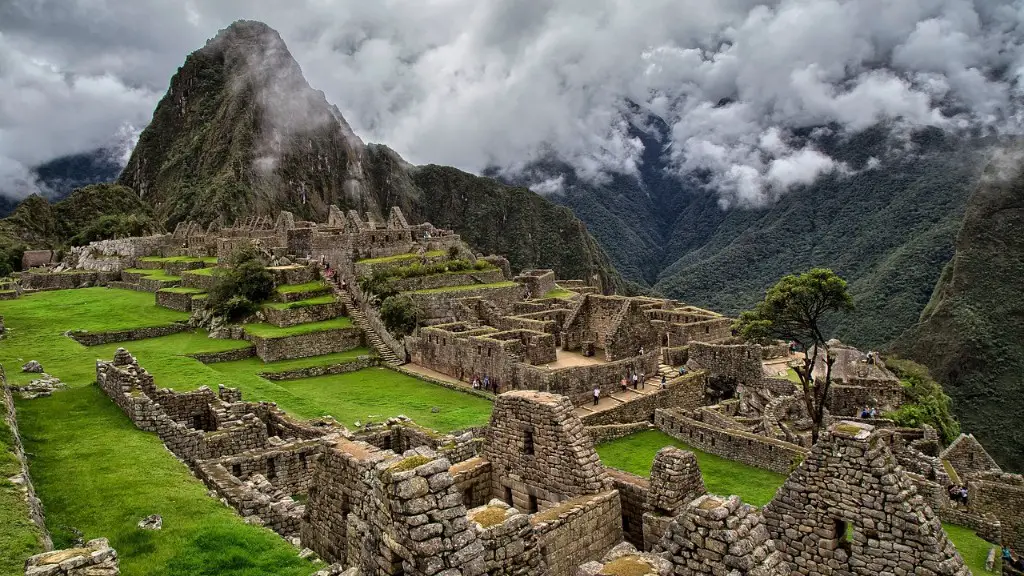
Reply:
x=478, y=84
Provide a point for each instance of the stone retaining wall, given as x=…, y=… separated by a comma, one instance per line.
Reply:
x=1000, y=496
x=35, y=506
x=307, y=345
x=314, y=371
x=37, y=280
x=634, y=492
x=447, y=280
x=607, y=432
x=203, y=282
x=303, y=314
x=225, y=356
x=96, y=558
x=179, y=301
x=444, y=305
x=99, y=338
x=578, y=531
x=473, y=477
x=752, y=449
x=577, y=383
x=685, y=392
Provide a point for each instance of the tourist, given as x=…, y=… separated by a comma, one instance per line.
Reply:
x=487, y=382
x=874, y=412
x=643, y=378
x=624, y=384
x=864, y=413
x=476, y=383
x=664, y=382
x=635, y=379
x=597, y=395
x=641, y=351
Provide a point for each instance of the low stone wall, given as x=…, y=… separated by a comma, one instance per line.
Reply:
x=225, y=356
x=752, y=449
x=989, y=529
x=443, y=383
x=294, y=274
x=204, y=282
x=303, y=314
x=307, y=345
x=578, y=531
x=851, y=400
x=314, y=371
x=35, y=506
x=607, y=432
x=685, y=392
x=577, y=383
x=97, y=558
x=38, y=280
x=179, y=301
x=1000, y=496
x=99, y=338
x=634, y=493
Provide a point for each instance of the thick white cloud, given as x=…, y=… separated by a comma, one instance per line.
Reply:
x=475, y=84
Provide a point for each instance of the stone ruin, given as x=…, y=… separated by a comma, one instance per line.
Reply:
x=850, y=509
x=96, y=558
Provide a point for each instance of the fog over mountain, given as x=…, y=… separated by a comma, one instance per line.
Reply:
x=741, y=84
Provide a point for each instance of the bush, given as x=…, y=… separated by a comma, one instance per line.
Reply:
x=238, y=291
x=926, y=402
x=399, y=314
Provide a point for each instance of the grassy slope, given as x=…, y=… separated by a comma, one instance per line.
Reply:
x=307, y=287
x=326, y=299
x=972, y=548
x=635, y=454
x=462, y=288
x=271, y=331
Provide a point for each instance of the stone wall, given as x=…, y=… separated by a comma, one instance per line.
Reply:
x=607, y=432
x=96, y=558
x=634, y=498
x=676, y=356
x=850, y=508
x=225, y=356
x=306, y=345
x=313, y=371
x=578, y=531
x=508, y=540
x=35, y=506
x=685, y=392
x=447, y=280
x=473, y=477
x=738, y=362
x=539, y=451
x=968, y=457
x=303, y=314
x=38, y=280
x=443, y=306
x=179, y=301
x=204, y=282
x=99, y=338
x=578, y=382
x=615, y=325
x=538, y=282
x=1000, y=496
x=851, y=400
x=755, y=450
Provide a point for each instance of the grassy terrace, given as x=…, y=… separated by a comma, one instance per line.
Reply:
x=307, y=287
x=202, y=271
x=635, y=454
x=87, y=453
x=463, y=288
x=264, y=330
x=154, y=274
x=400, y=258
x=325, y=299
x=204, y=259
x=559, y=292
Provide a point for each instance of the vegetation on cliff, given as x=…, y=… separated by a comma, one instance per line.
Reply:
x=971, y=334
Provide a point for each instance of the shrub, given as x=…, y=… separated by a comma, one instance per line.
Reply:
x=113, y=226
x=381, y=285
x=237, y=292
x=399, y=314
x=926, y=402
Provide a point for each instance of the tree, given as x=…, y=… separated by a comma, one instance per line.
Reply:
x=239, y=290
x=794, y=310
x=399, y=314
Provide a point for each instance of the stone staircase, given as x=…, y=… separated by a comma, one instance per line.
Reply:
x=359, y=319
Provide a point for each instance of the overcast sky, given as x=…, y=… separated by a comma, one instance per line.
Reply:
x=474, y=83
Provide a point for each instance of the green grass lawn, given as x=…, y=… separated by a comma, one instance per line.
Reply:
x=98, y=474
x=307, y=287
x=558, y=292
x=264, y=330
x=325, y=299
x=400, y=257
x=724, y=477
x=19, y=537
x=202, y=271
x=973, y=549
x=154, y=274
x=462, y=288
x=205, y=259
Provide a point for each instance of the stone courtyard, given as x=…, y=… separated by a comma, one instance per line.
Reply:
x=526, y=493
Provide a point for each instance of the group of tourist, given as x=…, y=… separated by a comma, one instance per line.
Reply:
x=869, y=412
x=638, y=380
x=1012, y=559
x=958, y=494
x=485, y=384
